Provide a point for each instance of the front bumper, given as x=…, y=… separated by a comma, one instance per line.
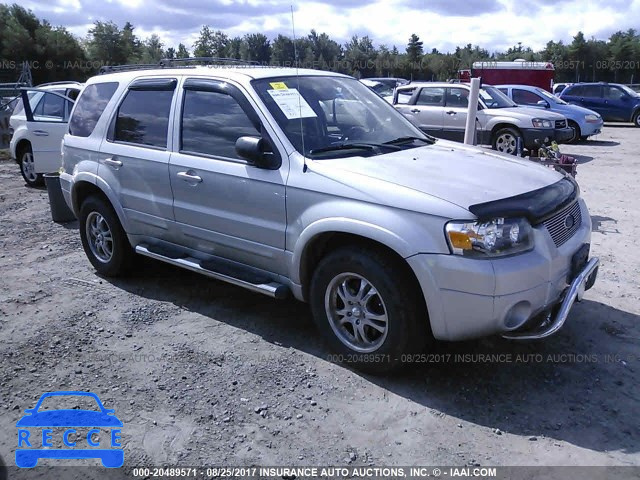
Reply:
x=532, y=136
x=585, y=280
x=562, y=135
x=470, y=298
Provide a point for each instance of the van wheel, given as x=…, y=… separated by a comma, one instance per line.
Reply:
x=28, y=168
x=370, y=317
x=103, y=238
x=505, y=140
x=576, y=132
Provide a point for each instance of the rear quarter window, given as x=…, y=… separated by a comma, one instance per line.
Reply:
x=89, y=108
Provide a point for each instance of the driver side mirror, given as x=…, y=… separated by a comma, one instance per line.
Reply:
x=258, y=152
x=543, y=103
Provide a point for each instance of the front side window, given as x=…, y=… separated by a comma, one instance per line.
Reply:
x=458, y=97
x=90, y=106
x=613, y=93
x=212, y=122
x=525, y=97
x=332, y=116
x=143, y=118
x=430, y=96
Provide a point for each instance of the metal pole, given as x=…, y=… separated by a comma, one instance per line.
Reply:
x=470, y=129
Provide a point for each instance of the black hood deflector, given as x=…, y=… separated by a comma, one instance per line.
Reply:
x=536, y=205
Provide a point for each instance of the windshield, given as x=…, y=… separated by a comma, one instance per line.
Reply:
x=550, y=98
x=494, y=98
x=327, y=117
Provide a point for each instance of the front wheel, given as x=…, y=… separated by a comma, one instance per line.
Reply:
x=636, y=119
x=577, y=135
x=103, y=238
x=505, y=140
x=28, y=168
x=370, y=318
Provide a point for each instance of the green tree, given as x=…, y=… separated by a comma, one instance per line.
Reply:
x=256, y=47
x=414, y=49
x=182, y=51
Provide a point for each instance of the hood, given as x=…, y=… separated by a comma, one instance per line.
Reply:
x=458, y=174
x=525, y=112
x=575, y=109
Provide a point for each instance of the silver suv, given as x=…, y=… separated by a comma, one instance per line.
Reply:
x=309, y=184
x=440, y=109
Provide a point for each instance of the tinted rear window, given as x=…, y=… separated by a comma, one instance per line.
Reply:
x=92, y=102
x=143, y=117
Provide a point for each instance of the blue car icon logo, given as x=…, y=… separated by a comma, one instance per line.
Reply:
x=33, y=446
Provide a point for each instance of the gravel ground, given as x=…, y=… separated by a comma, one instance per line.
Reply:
x=204, y=373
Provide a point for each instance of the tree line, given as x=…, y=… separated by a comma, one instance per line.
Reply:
x=55, y=54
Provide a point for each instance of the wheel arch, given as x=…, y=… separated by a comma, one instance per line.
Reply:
x=20, y=146
x=89, y=185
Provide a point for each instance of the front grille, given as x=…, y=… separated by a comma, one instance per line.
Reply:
x=563, y=225
x=561, y=123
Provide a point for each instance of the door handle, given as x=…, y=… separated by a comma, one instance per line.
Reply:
x=112, y=163
x=414, y=110
x=451, y=112
x=189, y=177
x=40, y=133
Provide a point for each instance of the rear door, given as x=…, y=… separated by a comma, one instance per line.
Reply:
x=46, y=125
x=424, y=109
x=137, y=148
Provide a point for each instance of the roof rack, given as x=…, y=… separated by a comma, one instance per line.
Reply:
x=58, y=83
x=189, y=62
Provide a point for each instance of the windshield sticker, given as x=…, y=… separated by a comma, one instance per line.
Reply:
x=292, y=104
x=278, y=85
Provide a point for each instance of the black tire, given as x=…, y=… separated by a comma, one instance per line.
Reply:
x=636, y=119
x=110, y=258
x=396, y=295
x=577, y=134
x=505, y=140
x=25, y=160
x=584, y=138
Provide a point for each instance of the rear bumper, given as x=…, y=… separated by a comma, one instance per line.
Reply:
x=471, y=298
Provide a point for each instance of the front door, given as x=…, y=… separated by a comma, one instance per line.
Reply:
x=223, y=204
x=455, y=113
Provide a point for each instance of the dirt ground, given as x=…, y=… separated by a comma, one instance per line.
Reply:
x=204, y=373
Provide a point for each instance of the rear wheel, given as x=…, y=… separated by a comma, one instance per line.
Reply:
x=576, y=132
x=370, y=317
x=28, y=168
x=103, y=238
x=636, y=119
x=505, y=140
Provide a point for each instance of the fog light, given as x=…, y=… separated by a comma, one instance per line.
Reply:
x=517, y=315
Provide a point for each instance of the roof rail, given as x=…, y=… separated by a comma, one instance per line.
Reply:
x=189, y=62
x=236, y=61
x=58, y=83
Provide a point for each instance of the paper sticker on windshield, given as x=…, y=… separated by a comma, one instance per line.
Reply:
x=292, y=104
x=278, y=85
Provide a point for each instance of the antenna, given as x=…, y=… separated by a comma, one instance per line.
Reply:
x=295, y=56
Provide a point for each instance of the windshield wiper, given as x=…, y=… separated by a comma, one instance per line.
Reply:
x=352, y=146
x=431, y=140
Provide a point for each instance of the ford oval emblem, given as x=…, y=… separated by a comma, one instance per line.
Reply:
x=569, y=222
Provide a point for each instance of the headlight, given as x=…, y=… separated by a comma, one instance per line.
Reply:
x=542, y=123
x=592, y=118
x=494, y=238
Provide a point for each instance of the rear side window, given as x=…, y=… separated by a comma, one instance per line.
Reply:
x=143, y=118
x=92, y=102
x=212, y=122
x=50, y=106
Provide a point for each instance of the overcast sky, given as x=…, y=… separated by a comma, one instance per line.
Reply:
x=443, y=24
